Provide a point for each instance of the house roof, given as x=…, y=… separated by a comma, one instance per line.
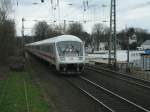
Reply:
x=147, y=42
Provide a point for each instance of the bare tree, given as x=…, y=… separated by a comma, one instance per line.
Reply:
x=5, y=9
x=86, y=37
x=7, y=40
x=54, y=30
x=141, y=36
x=43, y=31
x=100, y=34
x=7, y=31
x=75, y=29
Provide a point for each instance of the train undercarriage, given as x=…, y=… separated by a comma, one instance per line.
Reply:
x=73, y=68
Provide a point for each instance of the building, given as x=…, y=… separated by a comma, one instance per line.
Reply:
x=121, y=55
x=135, y=58
x=103, y=45
x=146, y=44
x=145, y=60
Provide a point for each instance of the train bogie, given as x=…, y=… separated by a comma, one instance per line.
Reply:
x=71, y=68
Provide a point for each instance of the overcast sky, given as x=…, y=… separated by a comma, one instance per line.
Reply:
x=130, y=13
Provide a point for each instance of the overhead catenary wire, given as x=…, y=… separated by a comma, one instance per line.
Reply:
x=73, y=16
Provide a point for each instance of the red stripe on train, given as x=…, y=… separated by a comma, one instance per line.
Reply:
x=43, y=54
x=47, y=56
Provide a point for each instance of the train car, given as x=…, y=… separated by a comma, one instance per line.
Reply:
x=66, y=52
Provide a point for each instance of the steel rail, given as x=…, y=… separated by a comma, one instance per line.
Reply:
x=114, y=94
x=120, y=78
x=124, y=75
x=91, y=96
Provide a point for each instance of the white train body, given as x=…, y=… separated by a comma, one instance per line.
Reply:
x=66, y=52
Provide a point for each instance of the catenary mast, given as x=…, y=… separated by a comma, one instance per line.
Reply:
x=112, y=38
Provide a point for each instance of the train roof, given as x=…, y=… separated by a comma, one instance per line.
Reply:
x=57, y=39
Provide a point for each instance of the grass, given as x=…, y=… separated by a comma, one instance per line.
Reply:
x=18, y=94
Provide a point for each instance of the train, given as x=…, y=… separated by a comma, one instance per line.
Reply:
x=65, y=52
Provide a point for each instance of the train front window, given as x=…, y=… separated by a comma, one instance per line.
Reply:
x=70, y=48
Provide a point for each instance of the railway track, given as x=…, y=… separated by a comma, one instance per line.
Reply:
x=128, y=89
x=124, y=77
x=110, y=101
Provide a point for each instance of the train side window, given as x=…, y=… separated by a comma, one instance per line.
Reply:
x=46, y=48
x=38, y=48
x=41, y=47
x=50, y=48
x=35, y=47
x=54, y=49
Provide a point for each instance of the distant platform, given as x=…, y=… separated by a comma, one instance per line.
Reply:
x=102, y=61
x=102, y=57
x=106, y=62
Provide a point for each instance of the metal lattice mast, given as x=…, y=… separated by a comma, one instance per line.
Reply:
x=112, y=37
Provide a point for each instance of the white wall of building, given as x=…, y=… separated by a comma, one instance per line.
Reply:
x=145, y=46
x=102, y=45
x=135, y=56
x=121, y=55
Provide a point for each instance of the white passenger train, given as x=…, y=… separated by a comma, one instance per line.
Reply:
x=66, y=52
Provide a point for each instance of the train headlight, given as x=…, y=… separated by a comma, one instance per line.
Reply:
x=62, y=58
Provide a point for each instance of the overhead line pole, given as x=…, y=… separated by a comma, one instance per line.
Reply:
x=115, y=42
x=110, y=36
x=112, y=32
x=22, y=31
x=64, y=26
